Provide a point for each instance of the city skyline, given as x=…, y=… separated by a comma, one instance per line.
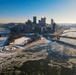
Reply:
x=62, y=11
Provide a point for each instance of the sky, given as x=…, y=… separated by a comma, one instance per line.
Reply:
x=62, y=11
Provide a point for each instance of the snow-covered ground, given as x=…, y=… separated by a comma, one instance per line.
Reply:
x=21, y=40
x=13, y=49
x=17, y=44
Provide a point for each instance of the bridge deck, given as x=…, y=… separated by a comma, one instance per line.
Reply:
x=58, y=36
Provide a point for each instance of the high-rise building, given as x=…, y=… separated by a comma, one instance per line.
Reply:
x=53, y=25
x=34, y=20
x=39, y=21
x=52, y=21
x=43, y=21
x=29, y=23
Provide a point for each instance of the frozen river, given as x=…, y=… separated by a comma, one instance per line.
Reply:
x=69, y=33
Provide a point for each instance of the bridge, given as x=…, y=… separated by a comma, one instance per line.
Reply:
x=57, y=36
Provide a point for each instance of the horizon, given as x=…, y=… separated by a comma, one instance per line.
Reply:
x=19, y=11
x=37, y=22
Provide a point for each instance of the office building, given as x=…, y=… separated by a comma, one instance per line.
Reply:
x=42, y=21
x=52, y=21
x=53, y=25
x=34, y=20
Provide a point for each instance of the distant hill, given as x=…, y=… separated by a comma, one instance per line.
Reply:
x=67, y=24
x=8, y=25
